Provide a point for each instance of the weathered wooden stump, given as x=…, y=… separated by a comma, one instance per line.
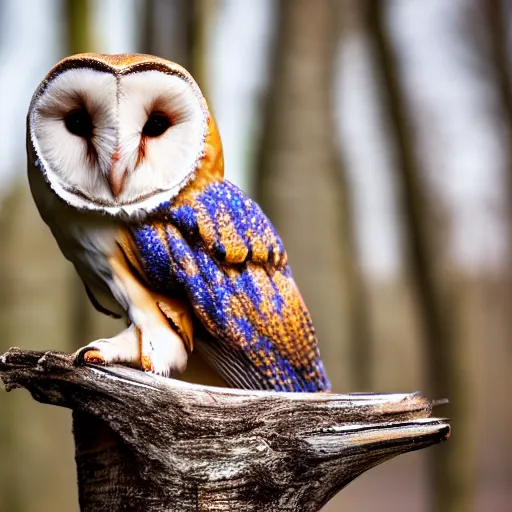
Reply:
x=146, y=443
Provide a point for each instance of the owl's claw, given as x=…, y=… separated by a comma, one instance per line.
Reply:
x=146, y=363
x=88, y=355
x=162, y=351
x=122, y=348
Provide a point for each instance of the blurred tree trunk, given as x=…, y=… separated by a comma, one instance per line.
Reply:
x=300, y=184
x=451, y=469
x=358, y=314
x=177, y=30
x=497, y=20
x=496, y=16
x=166, y=31
x=34, y=313
x=78, y=26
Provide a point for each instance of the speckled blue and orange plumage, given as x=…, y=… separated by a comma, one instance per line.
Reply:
x=217, y=248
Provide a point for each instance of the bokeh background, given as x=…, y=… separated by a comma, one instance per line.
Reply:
x=377, y=135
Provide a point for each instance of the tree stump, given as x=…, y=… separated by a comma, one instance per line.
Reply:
x=148, y=443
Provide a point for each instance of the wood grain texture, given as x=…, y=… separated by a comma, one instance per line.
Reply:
x=146, y=443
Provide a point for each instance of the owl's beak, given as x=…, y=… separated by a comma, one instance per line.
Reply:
x=117, y=176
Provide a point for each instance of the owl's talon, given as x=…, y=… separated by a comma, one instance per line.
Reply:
x=162, y=351
x=88, y=355
x=147, y=364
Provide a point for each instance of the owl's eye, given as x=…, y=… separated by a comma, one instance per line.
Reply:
x=79, y=123
x=156, y=125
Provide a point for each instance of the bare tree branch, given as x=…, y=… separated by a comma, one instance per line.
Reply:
x=148, y=443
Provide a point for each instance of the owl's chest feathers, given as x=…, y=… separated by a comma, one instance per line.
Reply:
x=89, y=241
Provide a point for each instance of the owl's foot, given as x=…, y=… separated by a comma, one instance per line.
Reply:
x=162, y=351
x=154, y=348
x=122, y=348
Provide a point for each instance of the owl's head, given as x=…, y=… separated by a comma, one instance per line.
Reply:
x=120, y=133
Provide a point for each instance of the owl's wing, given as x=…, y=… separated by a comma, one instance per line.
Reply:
x=219, y=250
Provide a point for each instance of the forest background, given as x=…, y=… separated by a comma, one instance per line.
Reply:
x=377, y=135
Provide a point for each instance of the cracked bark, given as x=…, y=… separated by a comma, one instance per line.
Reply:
x=153, y=444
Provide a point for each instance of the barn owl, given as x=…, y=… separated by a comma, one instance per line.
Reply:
x=125, y=165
